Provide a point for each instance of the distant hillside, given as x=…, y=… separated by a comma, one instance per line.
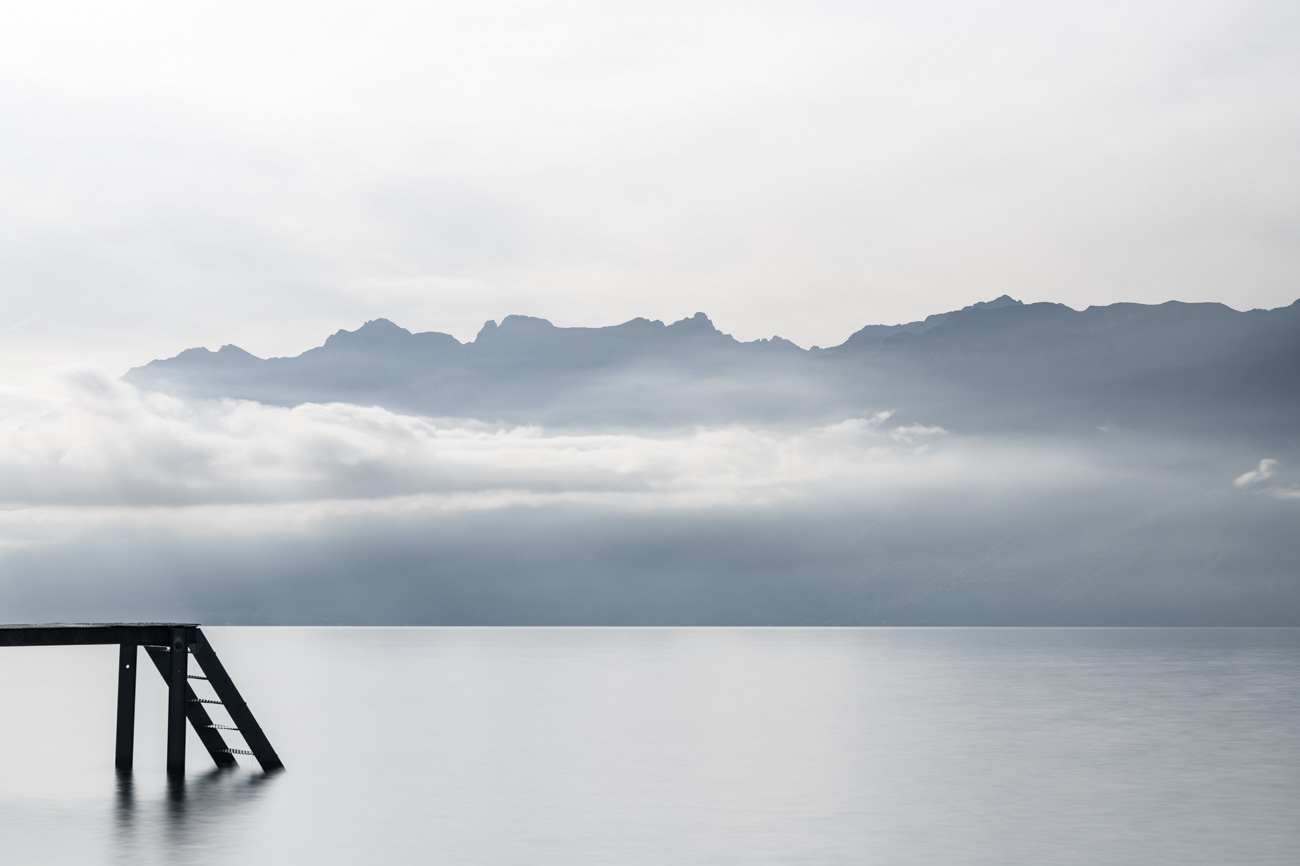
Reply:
x=997, y=365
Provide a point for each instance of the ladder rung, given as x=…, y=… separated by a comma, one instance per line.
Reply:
x=237, y=752
x=224, y=727
x=203, y=701
x=194, y=677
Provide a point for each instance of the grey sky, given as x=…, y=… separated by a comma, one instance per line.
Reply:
x=265, y=173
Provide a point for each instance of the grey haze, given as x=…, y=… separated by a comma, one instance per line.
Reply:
x=1005, y=463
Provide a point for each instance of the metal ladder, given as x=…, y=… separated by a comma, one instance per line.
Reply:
x=214, y=673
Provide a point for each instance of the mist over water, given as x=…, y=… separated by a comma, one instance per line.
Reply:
x=127, y=505
x=577, y=746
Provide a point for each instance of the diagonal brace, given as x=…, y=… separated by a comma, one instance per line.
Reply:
x=234, y=703
x=194, y=711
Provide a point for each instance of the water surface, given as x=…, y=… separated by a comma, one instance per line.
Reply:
x=577, y=746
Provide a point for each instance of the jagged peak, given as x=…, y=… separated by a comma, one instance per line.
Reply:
x=525, y=323
x=642, y=322
x=995, y=304
x=774, y=340
x=202, y=354
x=513, y=326
x=373, y=331
x=697, y=322
x=379, y=326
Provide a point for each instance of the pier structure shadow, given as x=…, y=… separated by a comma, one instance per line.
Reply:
x=190, y=810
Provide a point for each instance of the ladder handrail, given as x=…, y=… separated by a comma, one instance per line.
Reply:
x=234, y=703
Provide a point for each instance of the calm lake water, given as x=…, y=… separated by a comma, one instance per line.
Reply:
x=668, y=746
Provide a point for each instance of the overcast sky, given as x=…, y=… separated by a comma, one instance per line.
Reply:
x=265, y=173
x=193, y=174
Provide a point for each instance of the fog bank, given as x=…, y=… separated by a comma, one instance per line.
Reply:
x=123, y=504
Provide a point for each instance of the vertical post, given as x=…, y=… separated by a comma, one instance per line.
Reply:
x=176, y=687
x=200, y=721
x=125, y=706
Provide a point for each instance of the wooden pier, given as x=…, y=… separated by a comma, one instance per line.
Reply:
x=169, y=646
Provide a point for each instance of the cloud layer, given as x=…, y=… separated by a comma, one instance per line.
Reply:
x=117, y=503
x=106, y=443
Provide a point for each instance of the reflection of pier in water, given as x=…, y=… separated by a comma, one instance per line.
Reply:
x=169, y=646
x=163, y=825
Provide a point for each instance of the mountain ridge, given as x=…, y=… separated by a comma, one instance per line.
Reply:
x=1000, y=364
x=517, y=324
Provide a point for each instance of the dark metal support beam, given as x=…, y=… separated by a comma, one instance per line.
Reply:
x=234, y=703
x=177, y=685
x=79, y=634
x=199, y=718
x=125, y=755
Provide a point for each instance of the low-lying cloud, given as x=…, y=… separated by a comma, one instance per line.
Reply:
x=1263, y=472
x=121, y=504
x=105, y=443
x=1262, y=480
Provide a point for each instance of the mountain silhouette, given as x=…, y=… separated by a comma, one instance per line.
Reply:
x=992, y=366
